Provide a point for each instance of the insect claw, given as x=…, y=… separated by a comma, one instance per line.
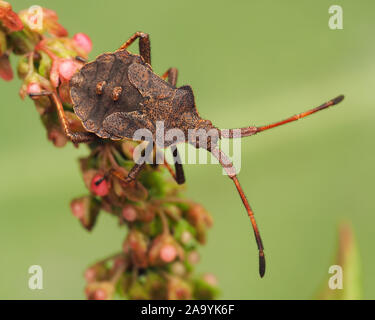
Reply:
x=338, y=99
x=80, y=59
x=39, y=94
x=262, y=264
x=128, y=180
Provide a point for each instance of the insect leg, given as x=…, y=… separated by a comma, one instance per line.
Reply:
x=144, y=45
x=133, y=173
x=81, y=59
x=171, y=74
x=180, y=176
x=249, y=131
x=231, y=172
x=75, y=137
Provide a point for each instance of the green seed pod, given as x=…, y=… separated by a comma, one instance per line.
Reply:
x=45, y=64
x=23, y=67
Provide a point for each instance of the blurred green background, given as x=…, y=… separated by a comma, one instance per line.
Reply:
x=249, y=62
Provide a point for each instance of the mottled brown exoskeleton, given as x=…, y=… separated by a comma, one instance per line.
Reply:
x=118, y=93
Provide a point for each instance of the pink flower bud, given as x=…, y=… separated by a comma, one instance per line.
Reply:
x=168, y=253
x=99, y=294
x=136, y=244
x=97, y=272
x=86, y=209
x=129, y=213
x=178, y=289
x=83, y=41
x=33, y=87
x=66, y=69
x=210, y=279
x=186, y=237
x=193, y=257
x=99, y=185
x=78, y=208
x=100, y=290
x=90, y=275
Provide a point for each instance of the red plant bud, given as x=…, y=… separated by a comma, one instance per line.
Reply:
x=210, y=279
x=164, y=249
x=99, y=294
x=9, y=18
x=129, y=213
x=90, y=275
x=97, y=272
x=99, y=185
x=136, y=244
x=78, y=208
x=33, y=87
x=86, y=209
x=119, y=262
x=100, y=290
x=168, y=253
x=6, y=72
x=146, y=213
x=193, y=257
x=83, y=41
x=67, y=68
x=200, y=219
x=50, y=23
x=178, y=289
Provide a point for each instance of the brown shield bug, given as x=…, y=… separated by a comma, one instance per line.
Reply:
x=118, y=93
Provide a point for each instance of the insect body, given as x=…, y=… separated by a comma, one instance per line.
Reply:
x=118, y=93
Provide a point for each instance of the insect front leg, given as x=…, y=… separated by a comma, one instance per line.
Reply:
x=144, y=45
x=75, y=137
x=171, y=74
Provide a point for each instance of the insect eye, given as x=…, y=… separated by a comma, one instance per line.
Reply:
x=99, y=87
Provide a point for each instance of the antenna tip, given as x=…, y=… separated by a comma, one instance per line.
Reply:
x=338, y=99
x=262, y=264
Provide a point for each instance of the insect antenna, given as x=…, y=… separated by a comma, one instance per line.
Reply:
x=231, y=172
x=249, y=131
